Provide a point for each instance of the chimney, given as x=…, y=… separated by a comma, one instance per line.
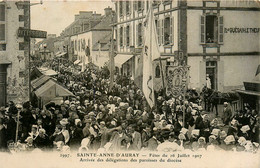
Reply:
x=108, y=11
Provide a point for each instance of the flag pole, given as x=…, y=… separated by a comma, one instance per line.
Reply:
x=162, y=76
x=151, y=55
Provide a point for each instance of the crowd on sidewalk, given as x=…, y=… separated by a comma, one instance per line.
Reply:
x=120, y=119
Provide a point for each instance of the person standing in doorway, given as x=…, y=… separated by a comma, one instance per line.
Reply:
x=208, y=81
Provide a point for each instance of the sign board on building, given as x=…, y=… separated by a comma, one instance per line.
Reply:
x=23, y=32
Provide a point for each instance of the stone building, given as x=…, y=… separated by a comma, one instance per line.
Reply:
x=14, y=52
x=216, y=38
x=89, y=31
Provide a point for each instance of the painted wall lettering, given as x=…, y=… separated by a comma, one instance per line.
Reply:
x=241, y=30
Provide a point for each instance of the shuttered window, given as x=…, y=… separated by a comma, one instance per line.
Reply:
x=220, y=30
x=135, y=5
x=121, y=36
x=2, y=32
x=159, y=31
x=124, y=36
x=2, y=22
x=2, y=12
x=162, y=32
x=202, y=30
x=130, y=35
x=171, y=30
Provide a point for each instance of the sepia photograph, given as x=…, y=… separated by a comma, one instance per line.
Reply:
x=129, y=83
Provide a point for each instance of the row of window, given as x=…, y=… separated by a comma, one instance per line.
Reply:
x=22, y=46
x=211, y=31
x=125, y=6
x=79, y=45
x=165, y=29
x=3, y=27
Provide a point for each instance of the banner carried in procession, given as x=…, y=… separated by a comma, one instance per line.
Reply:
x=177, y=81
x=150, y=52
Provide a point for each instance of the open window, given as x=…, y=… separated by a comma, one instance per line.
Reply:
x=121, y=8
x=140, y=6
x=140, y=37
x=168, y=30
x=211, y=29
x=127, y=7
x=121, y=36
x=128, y=35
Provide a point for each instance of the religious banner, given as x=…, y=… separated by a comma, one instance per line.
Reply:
x=150, y=53
x=177, y=80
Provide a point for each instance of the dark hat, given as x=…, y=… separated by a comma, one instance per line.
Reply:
x=26, y=105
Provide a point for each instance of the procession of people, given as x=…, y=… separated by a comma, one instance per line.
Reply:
x=120, y=119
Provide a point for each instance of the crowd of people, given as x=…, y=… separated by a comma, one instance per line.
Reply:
x=120, y=119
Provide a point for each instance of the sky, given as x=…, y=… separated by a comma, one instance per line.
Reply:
x=54, y=16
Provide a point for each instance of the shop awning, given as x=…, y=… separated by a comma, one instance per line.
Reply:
x=43, y=91
x=52, y=89
x=76, y=62
x=40, y=81
x=48, y=72
x=249, y=92
x=120, y=59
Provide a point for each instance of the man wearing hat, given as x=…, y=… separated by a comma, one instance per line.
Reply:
x=227, y=114
x=57, y=135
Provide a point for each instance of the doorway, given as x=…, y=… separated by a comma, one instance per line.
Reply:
x=211, y=71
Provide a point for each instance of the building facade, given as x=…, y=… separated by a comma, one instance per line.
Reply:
x=14, y=52
x=89, y=34
x=46, y=48
x=215, y=38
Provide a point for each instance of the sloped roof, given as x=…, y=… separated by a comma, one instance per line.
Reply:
x=40, y=81
x=103, y=40
x=59, y=90
x=104, y=24
x=41, y=91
